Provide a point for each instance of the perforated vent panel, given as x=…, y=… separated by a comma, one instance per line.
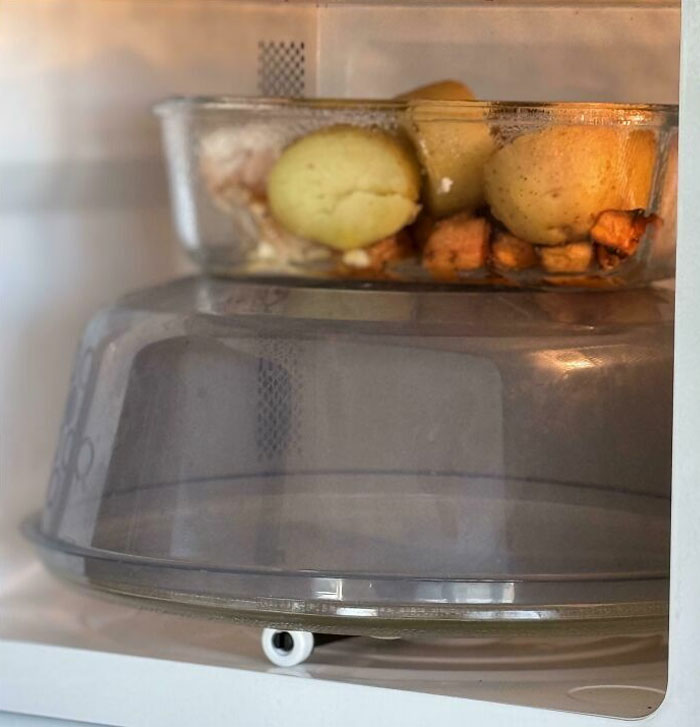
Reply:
x=281, y=68
x=280, y=388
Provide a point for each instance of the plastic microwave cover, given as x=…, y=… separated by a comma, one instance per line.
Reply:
x=288, y=452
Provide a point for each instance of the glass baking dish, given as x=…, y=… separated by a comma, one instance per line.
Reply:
x=467, y=192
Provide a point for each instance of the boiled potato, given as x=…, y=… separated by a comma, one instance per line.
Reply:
x=442, y=91
x=452, y=151
x=549, y=186
x=345, y=186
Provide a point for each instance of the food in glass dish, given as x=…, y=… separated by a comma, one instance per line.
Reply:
x=433, y=186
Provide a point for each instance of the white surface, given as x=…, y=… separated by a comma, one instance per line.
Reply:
x=12, y=719
x=40, y=610
x=142, y=691
x=555, y=52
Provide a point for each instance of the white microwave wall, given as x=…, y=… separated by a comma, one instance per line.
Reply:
x=519, y=52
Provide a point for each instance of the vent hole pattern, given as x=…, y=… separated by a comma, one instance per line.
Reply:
x=279, y=393
x=281, y=68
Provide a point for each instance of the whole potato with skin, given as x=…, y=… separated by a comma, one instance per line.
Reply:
x=452, y=151
x=442, y=91
x=345, y=186
x=549, y=186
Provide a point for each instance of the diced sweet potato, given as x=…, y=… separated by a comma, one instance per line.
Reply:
x=511, y=253
x=575, y=257
x=458, y=243
x=620, y=230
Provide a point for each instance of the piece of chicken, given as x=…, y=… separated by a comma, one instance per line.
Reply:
x=458, y=243
x=511, y=253
x=572, y=258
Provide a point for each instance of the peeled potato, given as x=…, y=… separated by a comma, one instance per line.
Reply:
x=344, y=186
x=549, y=186
x=452, y=152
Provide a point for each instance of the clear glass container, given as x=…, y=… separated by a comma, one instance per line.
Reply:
x=462, y=192
x=372, y=458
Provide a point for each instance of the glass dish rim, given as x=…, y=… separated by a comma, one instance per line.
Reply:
x=581, y=111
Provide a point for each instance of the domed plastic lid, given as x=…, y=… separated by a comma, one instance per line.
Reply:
x=371, y=460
